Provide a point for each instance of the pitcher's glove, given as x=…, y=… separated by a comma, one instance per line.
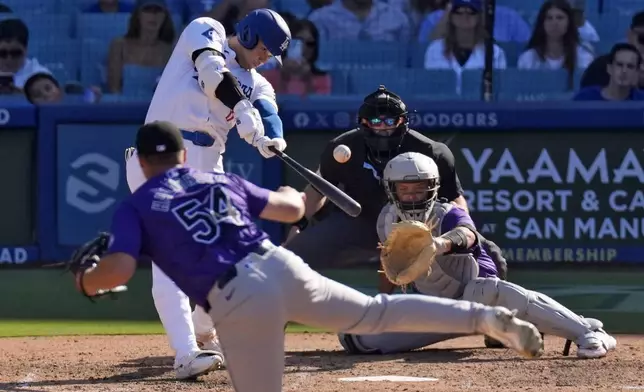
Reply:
x=88, y=256
x=408, y=253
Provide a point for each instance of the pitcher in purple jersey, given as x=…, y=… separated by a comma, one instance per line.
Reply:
x=198, y=228
x=462, y=269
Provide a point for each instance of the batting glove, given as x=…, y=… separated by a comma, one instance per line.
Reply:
x=264, y=143
x=249, y=122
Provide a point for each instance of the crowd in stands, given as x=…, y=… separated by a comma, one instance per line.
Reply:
x=94, y=50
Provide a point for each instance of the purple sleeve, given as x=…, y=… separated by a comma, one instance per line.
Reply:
x=126, y=231
x=256, y=197
x=456, y=217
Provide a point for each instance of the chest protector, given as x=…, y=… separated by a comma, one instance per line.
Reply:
x=450, y=273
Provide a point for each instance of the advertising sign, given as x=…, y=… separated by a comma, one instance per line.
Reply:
x=556, y=196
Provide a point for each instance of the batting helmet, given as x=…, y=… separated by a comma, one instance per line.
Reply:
x=268, y=26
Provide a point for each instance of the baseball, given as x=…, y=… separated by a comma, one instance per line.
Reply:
x=342, y=153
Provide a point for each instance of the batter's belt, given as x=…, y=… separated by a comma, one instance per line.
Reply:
x=199, y=138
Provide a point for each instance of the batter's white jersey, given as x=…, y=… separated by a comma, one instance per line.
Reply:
x=178, y=97
x=180, y=100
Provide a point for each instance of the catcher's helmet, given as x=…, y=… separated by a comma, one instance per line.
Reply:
x=268, y=26
x=412, y=167
x=383, y=108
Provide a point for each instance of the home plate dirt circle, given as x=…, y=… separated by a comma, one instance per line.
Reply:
x=314, y=362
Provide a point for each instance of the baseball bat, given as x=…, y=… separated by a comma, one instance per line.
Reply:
x=325, y=188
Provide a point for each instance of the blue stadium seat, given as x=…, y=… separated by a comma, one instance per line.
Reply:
x=417, y=54
x=299, y=8
x=44, y=26
x=526, y=8
x=518, y=83
x=534, y=97
x=339, y=82
x=93, y=61
x=24, y=7
x=404, y=81
x=612, y=26
x=512, y=51
x=61, y=57
x=140, y=81
x=102, y=26
x=352, y=54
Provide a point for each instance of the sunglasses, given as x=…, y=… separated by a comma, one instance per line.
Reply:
x=13, y=53
x=464, y=11
x=376, y=122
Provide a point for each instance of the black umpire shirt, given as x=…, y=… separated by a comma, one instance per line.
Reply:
x=361, y=179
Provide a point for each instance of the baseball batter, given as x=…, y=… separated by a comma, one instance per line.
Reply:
x=208, y=87
x=199, y=229
x=462, y=269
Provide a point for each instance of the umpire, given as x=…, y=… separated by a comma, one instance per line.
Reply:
x=338, y=240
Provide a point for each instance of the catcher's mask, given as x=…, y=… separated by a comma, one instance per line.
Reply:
x=383, y=121
x=417, y=174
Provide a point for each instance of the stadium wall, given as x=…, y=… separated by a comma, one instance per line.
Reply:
x=552, y=183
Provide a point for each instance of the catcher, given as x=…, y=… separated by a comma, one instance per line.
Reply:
x=433, y=247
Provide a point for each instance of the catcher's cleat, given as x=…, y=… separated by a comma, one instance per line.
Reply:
x=197, y=364
x=501, y=324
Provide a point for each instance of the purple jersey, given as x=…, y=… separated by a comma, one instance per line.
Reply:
x=193, y=225
x=458, y=216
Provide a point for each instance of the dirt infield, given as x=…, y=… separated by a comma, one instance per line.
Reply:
x=315, y=363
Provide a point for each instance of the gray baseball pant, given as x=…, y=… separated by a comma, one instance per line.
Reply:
x=251, y=310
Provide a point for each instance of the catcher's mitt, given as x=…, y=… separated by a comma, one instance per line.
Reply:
x=87, y=256
x=408, y=252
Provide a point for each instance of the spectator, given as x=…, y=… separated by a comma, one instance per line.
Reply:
x=623, y=70
x=110, y=6
x=417, y=10
x=509, y=26
x=597, y=72
x=357, y=20
x=148, y=42
x=298, y=75
x=5, y=9
x=587, y=33
x=463, y=46
x=229, y=12
x=42, y=88
x=14, y=41
x=7, y=85
x=555, y=42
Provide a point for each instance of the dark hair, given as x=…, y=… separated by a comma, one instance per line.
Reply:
x=5, y=9
x=166, y=32
x=538, y=40
x=305, y=24
x=638, y=20
x=624, y=47
x=450, y=34
x=33, y=79
x=14, y=29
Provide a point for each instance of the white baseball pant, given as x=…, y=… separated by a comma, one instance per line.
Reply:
x=172, y=305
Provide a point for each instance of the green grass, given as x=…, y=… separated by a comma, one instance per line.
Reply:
x=24, y=328
x=43, y=303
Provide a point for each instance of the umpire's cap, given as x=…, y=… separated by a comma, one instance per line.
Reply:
x=268, y=26
x=158, y=137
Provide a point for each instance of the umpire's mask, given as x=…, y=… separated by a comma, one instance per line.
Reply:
x=383, y=120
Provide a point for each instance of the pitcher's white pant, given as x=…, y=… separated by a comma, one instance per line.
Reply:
x=172, y=305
